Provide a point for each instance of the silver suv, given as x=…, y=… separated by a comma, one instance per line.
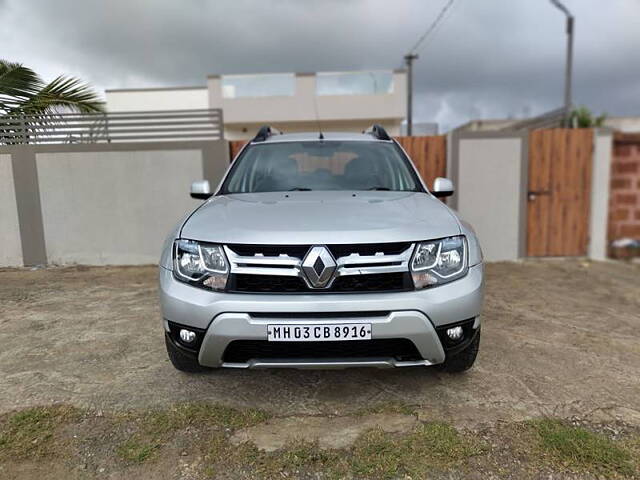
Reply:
x=322, y=251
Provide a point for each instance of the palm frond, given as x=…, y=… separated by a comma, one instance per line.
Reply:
x=36, y=106
x=63, y=93
x=16, y=84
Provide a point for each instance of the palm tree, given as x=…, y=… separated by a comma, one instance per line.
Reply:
x=24, y=93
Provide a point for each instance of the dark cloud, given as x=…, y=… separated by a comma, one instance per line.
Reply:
x=489, y=58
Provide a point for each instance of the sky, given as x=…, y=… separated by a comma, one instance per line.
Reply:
x=486, y=59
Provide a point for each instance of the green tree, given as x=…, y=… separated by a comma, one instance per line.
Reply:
x=582, y=117
x=24, y=93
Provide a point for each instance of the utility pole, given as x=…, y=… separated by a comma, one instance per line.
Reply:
x=569, y=61
x=409, y=58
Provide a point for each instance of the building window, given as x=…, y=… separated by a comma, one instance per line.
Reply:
x=266, y=85
x=354, y=83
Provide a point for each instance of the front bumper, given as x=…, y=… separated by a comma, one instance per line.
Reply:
x=231, y=316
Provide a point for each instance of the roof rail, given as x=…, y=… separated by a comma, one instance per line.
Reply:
x=378, y=132
x=265, y=132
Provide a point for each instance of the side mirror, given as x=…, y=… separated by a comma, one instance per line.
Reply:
x=201, y=190
x=442, y=187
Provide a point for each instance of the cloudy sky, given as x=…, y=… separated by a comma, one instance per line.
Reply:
x=487, y=59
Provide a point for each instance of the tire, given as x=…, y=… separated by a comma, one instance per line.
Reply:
x=464, y=359
x=182, y=361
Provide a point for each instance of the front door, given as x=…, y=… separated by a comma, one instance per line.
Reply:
x=560, y=162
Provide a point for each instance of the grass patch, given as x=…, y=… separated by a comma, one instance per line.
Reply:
x=431, y=446
x=442, y=445
x=30, y=433
x=154, y=428
x=59, y=433
x=580, y=449
x=221, y=456
x=136, y=451
x=297, y=460
x=181, y=416
x=376, y=454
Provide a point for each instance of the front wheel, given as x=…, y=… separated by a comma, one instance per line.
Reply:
x=181, y=360
x=464, y=359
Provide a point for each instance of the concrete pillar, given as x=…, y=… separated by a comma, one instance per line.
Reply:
x=600, y=179
x=25, y=180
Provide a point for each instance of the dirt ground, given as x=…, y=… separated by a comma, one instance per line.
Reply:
x=560, y=338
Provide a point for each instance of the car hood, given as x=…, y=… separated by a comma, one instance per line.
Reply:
x=329, y=217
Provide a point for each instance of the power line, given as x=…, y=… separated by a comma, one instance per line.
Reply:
x=412, y=55
x=433, y=25
x=435, y=31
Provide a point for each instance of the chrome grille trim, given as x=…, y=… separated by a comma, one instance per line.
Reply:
x=356, y=264
x=285, y=265
x=264, y=265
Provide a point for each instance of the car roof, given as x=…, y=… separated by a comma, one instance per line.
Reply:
x=315, y=136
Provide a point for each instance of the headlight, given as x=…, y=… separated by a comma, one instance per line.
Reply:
x=200, y=264
x=439, y=261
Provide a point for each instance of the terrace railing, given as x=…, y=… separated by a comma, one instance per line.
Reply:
x=112, y=127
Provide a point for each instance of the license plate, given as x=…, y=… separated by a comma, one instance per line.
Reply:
x=319, y=333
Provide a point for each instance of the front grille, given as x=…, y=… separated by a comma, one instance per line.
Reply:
x=375, y=267
x=241, y=351
x=379, y=282
x=265, y=284
x=341, y=250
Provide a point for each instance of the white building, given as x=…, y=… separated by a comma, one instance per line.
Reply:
x=288, y=101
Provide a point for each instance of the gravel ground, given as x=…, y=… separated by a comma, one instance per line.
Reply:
x=560, y=337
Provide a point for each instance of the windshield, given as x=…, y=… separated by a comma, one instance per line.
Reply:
x=327, y=165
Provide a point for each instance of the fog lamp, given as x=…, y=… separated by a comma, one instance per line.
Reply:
x=187, y=336
x=454, y=333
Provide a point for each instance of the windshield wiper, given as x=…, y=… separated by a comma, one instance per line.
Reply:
x=380, y=188
x=299, y=189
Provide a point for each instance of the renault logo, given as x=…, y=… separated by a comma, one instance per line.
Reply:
x=319, y=266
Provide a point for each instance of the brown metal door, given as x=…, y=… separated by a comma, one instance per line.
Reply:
x=559, y=192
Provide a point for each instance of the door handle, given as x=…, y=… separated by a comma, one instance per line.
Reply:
x=532, y=194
